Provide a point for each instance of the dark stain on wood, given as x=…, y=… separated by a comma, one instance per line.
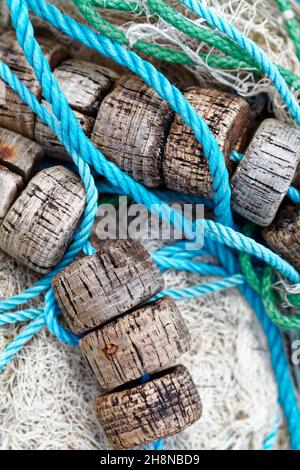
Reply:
x=6, y=151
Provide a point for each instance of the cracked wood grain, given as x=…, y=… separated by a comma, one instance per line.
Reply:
x=84, y=85
x=98, y=288
x=264, y=175
x=138, y=343
x=154, y=410
x=19, y=154
x=131, y=129
x=185, y=167
x=39, y=226
x=14, y=114
x=10, y=185
x=47, y=139
x=283, y=235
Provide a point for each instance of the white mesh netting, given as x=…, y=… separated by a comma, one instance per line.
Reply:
x=45, y=392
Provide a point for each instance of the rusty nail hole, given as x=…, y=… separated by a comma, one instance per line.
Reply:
x=110, y=350
x=6, y=151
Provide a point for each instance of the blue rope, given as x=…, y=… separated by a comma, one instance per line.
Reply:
x=191, y=292
x=294, y=195
x=260, y=57
x=215, y=231
x=20, y=316
x=60, y=107
x=66, y=127
x=270, y=440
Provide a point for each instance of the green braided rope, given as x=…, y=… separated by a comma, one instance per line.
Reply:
x=264, y=287
x=294, y=300
x=179, y=21
x=162, y=53
x=292, y=24
x=235, y=60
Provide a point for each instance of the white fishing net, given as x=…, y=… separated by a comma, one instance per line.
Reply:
x=45, y=392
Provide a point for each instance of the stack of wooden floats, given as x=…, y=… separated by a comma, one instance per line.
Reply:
x=101, y=296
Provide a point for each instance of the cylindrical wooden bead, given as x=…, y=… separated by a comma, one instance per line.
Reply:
x=50, y=143
x=138, y=343
x=154, y=410
x=264, y=175
x=14, y=114
x=185, y=167
x=283, y=235
x=98, y=288
x=10, y=185
x=19, y=154
x=84, y=85
x=39, y=226
x=131, y=129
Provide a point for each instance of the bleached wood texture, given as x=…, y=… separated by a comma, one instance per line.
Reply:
x=264, y=175
x=98, y=288
x=48, y=140
x=138, y=343
x=157, y=409
x=283, y=235
x=185, y=167
x=131, y=129
x=19, y=154
x=14, y=114
x=10, y=185
x=84, y=85
x=39, y=226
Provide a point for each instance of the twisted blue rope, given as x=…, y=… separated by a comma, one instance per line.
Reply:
x=215, y=231
x=260, y=57
x=25, y=35
x=80, y=144
x=191, y=292
x=270, y=440
x=20, y=316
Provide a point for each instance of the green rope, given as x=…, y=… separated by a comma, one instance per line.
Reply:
x=179, y=21
x=264, y=287
x=294, y=300
x=291, y=23
x=162, y=53
x=237, y=58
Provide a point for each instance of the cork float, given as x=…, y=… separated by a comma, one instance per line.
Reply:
x=126, y=338
x=129, y=340
x=139, y=132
